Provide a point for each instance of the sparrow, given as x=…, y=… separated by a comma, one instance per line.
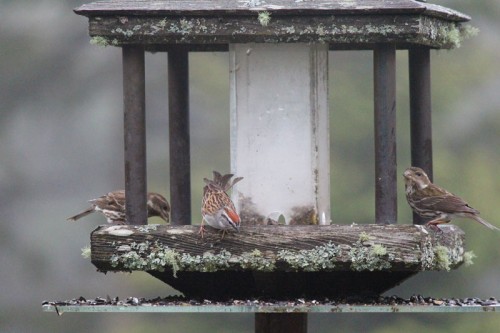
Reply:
x=431, y=201
x=112, y=206
x=217, y=209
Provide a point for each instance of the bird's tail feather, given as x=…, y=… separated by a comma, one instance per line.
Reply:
x=485, y=223
x=80, y=215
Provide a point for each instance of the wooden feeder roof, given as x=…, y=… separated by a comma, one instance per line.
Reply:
x=353, y=24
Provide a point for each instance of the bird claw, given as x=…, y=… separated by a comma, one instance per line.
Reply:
x=434, y=227
x=223, y=234
x=201, y=232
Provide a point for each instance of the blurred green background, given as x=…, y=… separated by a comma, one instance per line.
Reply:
x=61, y=144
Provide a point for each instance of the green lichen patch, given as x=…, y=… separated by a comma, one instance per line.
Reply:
x=446, y=34
x=364, y=237
x=208, y=262
x=99, y=41
x=256, y=261
x=455, y=34
x=443, y=254
x=469, y=256
x=469, y=31
x=442, y=260
x=162, y=24
x=86, y=252
x=146, y=256
x=264, y=18
x=437, y=255
x=147, y=228
x=427, y=258
x=170, y=258
x=379, y=250
x=126, y=33
x=370, y=257
x=321, y=257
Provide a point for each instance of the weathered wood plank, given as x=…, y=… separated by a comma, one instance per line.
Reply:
x=349, y=29
x=277, y=7
x=278, y=261
x=277, y=248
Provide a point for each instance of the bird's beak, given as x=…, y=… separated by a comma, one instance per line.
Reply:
x=165, y=216
x=407, y=174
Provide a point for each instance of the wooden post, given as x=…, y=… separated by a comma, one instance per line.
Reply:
x=280, y=322
x=420, y=112
x=180, y=162
x=384, y=68
x=134, y=109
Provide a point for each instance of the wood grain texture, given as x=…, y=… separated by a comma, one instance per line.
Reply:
x=278, y=261
x=408, y=248
x=355, y=31
x=277, y=7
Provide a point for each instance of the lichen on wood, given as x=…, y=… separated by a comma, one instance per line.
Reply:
x=277, y=248
x=278, y=260
x=373, y=257
x=352, y=31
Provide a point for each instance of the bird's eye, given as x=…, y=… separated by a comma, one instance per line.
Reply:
x=418, y=173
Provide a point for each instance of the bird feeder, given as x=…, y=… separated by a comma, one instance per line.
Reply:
x=278, y=67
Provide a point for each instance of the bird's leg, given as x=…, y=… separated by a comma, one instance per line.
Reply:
x=223, y=234
x=433, y=224
x=202, y=228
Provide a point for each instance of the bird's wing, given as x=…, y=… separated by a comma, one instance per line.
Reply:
x=117, y=199
x=111, y=201
x=447, y=204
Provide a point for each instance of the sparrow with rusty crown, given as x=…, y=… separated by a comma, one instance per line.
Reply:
x=112, y=206
x=436, y=203
x=217, y=209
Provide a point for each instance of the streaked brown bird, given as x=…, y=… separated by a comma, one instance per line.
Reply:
x=431, y=201
x=112, y=206
x=217, y=208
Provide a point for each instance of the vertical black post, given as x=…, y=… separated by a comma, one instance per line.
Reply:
x=180, y=162
x=384, y=68
x=420, y=112
x=280, y=322
x=134, y=110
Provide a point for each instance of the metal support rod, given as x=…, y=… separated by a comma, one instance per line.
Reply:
x=134, y=110
x=384, y=68
x=180, y=162
x=280, y=322
x=420, y=112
